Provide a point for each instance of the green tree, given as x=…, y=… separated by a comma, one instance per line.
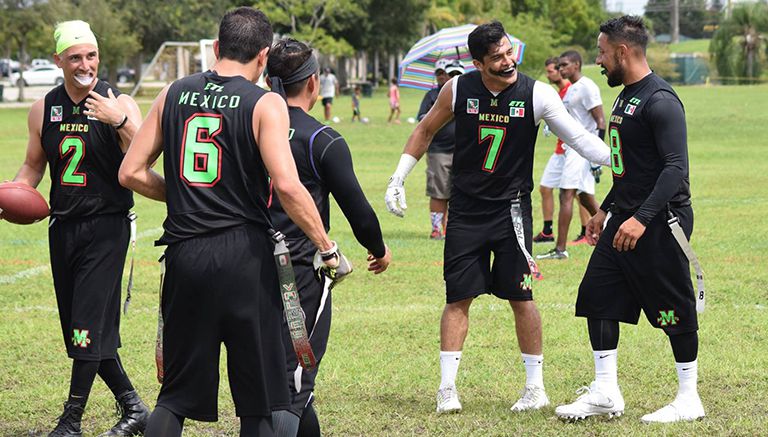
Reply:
x=693, y=17
x=735, y=48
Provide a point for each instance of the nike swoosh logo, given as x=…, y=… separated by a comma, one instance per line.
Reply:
x=603, y=356
x=688, y=368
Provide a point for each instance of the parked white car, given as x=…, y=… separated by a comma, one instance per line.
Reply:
x=42, y=75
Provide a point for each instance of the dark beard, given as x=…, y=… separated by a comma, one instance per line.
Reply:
x=615, y=77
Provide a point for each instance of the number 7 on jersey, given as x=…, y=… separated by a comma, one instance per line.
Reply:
x=497, y=135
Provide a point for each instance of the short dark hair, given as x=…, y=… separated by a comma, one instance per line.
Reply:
x=285, y=57
x=572, y=56
x=243, y=33
x=629, y=29
x=553, y=60
x=483, y=37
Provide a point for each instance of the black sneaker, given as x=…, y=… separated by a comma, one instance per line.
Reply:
x=544, y=238
x=133, y=416
x=69, y=421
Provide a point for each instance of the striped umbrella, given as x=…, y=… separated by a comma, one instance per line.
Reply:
x=417, y=70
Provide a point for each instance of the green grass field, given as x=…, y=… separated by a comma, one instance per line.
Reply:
x=381, y=370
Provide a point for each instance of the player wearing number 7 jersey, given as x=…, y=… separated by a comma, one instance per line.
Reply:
x=497, y=112
x=637, y=262
x=82, y=128
x=222, y=137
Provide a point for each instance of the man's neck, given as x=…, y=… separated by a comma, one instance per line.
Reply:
x=576, y=76
x=301, y=101
x=636, y=73
x=77, y=94
x=229, y=68
x=495, y=85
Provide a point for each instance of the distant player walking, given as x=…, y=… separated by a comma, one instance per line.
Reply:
x=324, y=164
x=222, y=137
x=81, y=129
x=638, y=263
x=497, y=112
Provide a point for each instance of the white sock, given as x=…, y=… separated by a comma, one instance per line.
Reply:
x=606, y=368
x=449, y=366
x=534, y=369
x=687, y=375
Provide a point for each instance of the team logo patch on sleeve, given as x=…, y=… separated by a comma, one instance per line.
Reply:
x=473, y=106
x=80, y=338
x=56, y=113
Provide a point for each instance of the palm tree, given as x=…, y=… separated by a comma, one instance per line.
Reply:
x=735, y=47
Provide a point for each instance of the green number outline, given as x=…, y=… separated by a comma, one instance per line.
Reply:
x=497, y=135
x=69, y=175
x=193, y=145
x=617, y=159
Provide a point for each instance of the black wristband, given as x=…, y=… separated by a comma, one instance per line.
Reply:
x=122, y=123
x=601, y=134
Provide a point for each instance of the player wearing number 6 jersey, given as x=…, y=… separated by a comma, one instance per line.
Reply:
x=222, y=137
x=638, y=263
x=497, y=112
x=82, y=128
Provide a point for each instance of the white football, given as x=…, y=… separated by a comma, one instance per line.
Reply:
x=336, y=119
x=411, y=120
x=365, y=120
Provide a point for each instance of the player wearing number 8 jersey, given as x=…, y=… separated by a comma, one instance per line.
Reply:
x=497, y=112
x=222, y=136
x=82, y=128
x=637, y=263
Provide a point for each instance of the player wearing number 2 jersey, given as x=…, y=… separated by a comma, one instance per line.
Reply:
x=222, y=136
x=637, y=262
x=497, y=112
x=82, y=128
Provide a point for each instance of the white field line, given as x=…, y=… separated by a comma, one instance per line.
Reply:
x=38, y=270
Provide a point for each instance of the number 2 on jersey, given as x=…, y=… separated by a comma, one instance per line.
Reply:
x=70, y=175
x=617, y=161
x=200, y=153
x=497, y=135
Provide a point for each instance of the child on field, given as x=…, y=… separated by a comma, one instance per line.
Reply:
x=356, y=104
x=394, y=103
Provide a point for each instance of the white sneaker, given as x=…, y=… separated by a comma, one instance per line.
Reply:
x=681, y=409
x=593, y=402
x=448, y=400
x=533, y=398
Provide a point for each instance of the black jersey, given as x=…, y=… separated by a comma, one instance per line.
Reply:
x=495, y=138
x=648, y=140
x=324, y=166
x=214, y=174
x=84, y=157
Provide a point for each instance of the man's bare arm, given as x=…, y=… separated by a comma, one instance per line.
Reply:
x=33, y=168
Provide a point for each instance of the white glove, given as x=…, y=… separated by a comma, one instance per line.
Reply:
x=546, y=130
x=332, y=264
x=395, y=196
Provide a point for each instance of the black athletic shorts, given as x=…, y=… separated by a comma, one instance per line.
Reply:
x=87, y=260
x=654, y=276
x=316, y=303
x=222, y=287
x=327, y=101
x=475, y=230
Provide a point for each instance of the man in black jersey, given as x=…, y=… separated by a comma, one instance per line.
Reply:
x=497, y=112
x=81, y=130
x=637, y=263
x=324, y=164
x=222, y=137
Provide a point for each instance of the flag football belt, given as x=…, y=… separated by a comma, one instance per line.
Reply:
x=516, y=212
x=685, y=245
x=132, y=218
x=160, y=323
x=294, y=315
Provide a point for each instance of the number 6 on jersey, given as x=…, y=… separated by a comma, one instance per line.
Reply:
x=200, y=153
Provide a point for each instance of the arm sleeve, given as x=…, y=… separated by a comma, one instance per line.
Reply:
x=667, y=119
x=608, y=201
x=426, y=105
x=547, y=106
x=339, y=176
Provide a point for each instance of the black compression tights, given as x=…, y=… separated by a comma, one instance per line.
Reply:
x=164, y=423
x=685, y=346
x=81, y=381
x=113, y=374
x=309, y=425
x=603, y=334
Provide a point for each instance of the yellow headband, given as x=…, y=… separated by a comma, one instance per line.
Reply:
x=70, y=33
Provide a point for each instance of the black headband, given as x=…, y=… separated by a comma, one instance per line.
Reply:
x=308, y=68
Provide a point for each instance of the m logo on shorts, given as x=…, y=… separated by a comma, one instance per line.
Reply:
x=667, y=318
x=57, y=113
x=473, y=106
x=80, y=338
x=527, y=283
